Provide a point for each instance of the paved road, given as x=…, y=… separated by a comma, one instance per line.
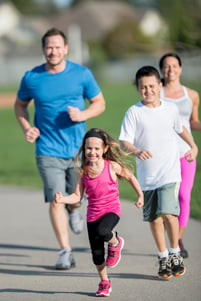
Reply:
x=28, y=252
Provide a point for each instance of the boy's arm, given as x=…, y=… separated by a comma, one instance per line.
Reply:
x=192, y=153
x=130, y=148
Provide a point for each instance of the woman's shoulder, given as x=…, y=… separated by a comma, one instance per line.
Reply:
x=193, y=94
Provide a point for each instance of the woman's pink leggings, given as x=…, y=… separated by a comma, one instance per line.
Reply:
x=188, y=170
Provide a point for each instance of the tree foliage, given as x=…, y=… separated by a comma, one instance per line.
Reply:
x=184, y=21
x=126, y=39
x=33, y=7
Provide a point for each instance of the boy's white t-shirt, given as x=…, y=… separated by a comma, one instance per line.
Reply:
x=155, y=130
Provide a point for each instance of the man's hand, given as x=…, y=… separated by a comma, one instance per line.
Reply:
x=75, y=114
x=32, y=134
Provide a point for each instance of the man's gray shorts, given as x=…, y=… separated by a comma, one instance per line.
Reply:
x=58, y=175
x=163, y=200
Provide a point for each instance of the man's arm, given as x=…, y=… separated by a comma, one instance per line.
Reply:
x=96, y=107
x=22, y=115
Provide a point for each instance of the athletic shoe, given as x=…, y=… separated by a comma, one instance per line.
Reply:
x=183, y=252
x=65, y=260
x=114, y=253
x=104, y=289
x=76, y=221
x=177, y=265
x=165, y=271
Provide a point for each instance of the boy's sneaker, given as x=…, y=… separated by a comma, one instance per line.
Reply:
x=177, y=265
x=76, y=221
x=114, y=253
x=104, y=289
x=65, y=260
x=183, y=251
x=165, y=271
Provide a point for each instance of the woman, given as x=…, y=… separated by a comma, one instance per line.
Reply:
x=187, y=101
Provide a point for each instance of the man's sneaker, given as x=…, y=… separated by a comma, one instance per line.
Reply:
x=76, y=221
x=165, y=271
x=65, y=260
x=114, y=253
x=183, y=251
x=104, y=289
x=177, y=265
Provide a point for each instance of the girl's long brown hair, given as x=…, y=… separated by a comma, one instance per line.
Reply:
x=113, y=153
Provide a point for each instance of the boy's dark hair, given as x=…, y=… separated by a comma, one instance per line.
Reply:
x=169, y=54
x=53, y=32
x=146, y=71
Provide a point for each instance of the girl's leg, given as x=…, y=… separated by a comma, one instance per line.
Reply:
x=102, y=271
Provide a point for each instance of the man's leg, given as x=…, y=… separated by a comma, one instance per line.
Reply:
x=59, y=222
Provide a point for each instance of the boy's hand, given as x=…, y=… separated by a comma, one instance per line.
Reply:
x=144, y=155
x=191, y=154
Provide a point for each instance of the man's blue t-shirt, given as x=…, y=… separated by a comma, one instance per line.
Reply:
x=52, y=93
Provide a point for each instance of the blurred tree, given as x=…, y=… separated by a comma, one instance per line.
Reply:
x=34, y=7
x=184, y=21
x=126, y=39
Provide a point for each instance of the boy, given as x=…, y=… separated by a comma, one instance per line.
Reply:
x=149, y=132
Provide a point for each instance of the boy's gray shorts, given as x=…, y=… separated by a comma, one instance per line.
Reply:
x=58, y=175
x=163, y=200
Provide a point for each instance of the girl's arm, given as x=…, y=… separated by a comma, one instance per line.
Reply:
x=71, y=198
x=132, y=180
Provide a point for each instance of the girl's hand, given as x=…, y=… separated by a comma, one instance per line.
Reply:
x=140, y=202
x=59, y=197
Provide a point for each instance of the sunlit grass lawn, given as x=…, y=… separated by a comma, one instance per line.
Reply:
x=17, y=158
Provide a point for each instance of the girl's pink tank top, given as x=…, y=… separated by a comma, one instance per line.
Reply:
x=102, y=194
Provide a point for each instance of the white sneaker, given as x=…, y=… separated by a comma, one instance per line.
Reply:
x=66, y=260
x=76, y=221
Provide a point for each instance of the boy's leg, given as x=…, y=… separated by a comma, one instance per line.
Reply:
x=168, y=208
x=157, y=229
x=158, y=232
x=172, y=227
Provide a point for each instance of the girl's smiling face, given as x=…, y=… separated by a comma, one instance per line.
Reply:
x=94, y=149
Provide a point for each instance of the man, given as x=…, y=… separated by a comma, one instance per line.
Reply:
x=59, y=88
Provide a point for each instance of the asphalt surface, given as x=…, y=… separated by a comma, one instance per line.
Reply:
x=28, y=252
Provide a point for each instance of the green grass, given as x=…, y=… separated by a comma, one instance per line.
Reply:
x=17, y=157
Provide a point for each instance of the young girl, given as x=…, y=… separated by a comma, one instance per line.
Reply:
x=101, y=165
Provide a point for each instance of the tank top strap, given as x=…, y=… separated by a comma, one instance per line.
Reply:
x=185, y=91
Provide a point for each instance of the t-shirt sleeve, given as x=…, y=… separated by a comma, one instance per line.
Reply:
x=91, y=88
x=128, y=127
x=23, y=91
